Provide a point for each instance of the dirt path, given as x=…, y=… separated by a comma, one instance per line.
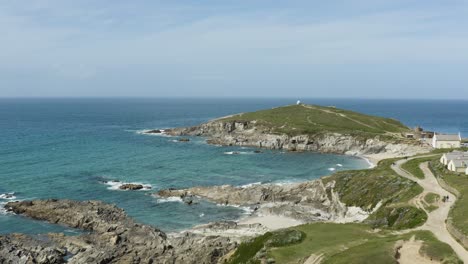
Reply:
x=409, y=253
x=435, y=219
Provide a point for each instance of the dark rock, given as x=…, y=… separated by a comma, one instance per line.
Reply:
x=113, y=237
x=154, y=131
x=18, y=248
x=183, y=139
x=131, y=186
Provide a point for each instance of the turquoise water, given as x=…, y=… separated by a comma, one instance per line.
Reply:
x=66, y=148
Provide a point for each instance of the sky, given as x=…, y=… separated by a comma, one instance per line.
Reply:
x=223, y=48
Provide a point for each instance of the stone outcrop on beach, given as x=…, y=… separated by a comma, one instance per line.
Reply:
x=307, y=202
x=248, y=133
x=111, y=237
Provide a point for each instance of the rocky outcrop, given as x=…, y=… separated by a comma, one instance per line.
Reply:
x=18, y=248
x=249, y=133
x=308, y=201
x=131, y=186
x=113, y=237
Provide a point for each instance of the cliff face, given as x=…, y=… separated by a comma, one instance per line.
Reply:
x=249, y=133
x=307, y=202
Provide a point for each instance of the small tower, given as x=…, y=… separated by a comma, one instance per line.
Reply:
x=298, y=102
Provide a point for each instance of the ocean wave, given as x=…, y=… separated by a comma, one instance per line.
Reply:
x=246, y=209
x=238, y=152
x=285, y=182
x=3, y=211
x=7, y=196
x=250, y=184
x=331, y=169
x=170, y=200
x=115, y=185
x=339, y=165
x=145, y=132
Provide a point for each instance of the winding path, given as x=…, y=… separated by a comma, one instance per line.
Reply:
x=437, y=218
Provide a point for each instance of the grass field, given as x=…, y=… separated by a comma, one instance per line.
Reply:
x=412, y=166
x=346, y=243
x=312, y=119
x=459, y=212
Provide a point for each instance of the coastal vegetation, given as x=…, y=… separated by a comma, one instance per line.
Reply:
x=341, y=243
x=459, y=212
x=312, y=119
x=368, y=188
x=412, y=166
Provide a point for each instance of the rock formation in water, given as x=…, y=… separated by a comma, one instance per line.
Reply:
x=307, y=202
x=111, y=237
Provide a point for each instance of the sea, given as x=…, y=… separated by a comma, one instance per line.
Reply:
x=76, y=148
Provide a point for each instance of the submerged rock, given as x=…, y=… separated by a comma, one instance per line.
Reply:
x=131, y=186
x=183, y=139
x=154, y=131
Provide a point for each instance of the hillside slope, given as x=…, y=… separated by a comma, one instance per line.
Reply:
x=313, y=119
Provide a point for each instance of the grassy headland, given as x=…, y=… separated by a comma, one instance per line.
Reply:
x=366, y=188
x=313, y=119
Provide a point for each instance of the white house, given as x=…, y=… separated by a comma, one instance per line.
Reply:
x=458, y=165
x=447, y=157
x=446, y=141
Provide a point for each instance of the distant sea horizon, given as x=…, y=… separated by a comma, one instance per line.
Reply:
x=75, y=147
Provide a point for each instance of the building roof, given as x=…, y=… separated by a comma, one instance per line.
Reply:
x=460, y=163
x=448, y=137
x=456, y=155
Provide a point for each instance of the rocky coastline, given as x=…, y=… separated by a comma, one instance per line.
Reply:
x=250, y=134
x=111, y=237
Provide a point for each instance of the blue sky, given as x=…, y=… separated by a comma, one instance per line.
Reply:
x=255, y=48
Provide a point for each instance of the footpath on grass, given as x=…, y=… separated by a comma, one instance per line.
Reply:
x=436, y=219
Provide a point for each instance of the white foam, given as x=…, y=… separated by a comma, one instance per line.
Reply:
x=115, y=185
x=339, y=165
x=3, y=211
x=285, y=182
x=237, y=153
x=170, y=199
x=247, y=210
x=145, y=132
x=201, y=215
x=250, y=184
x=7, y=196
x=331, y=169
x=371, y=165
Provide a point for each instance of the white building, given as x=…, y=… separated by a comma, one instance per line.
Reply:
x=446, y=141
x=458, y=165
x=466, y=172
x=447, y=157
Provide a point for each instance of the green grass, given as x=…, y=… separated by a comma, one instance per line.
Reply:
x=412, y=166
x=435, y=249
x=430, y=201
x=355, y=243
x=247, y=250
x=459, y=212
x=312, y=119
x=431, y=198
x=366, y=188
